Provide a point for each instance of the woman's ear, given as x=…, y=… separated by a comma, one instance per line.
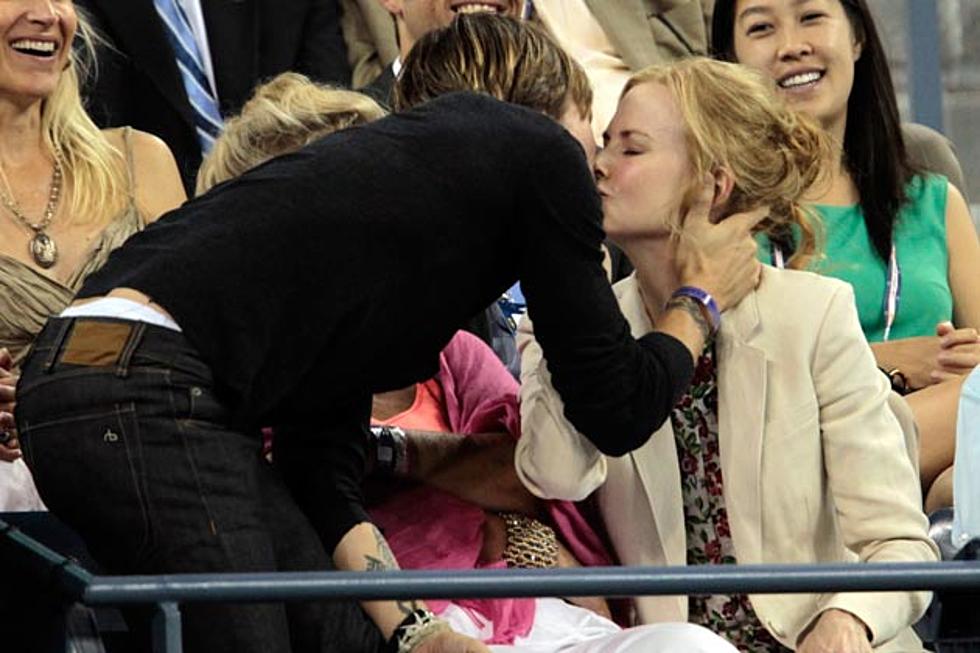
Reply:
x=724, y=184
x=394, y=7
x=856, y=49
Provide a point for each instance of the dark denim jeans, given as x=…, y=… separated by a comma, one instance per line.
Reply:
x=130, y=445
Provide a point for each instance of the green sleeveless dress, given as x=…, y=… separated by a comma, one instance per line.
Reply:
x=920, y=245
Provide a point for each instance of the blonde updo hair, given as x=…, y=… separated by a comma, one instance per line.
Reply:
x=735, y=120
x=509, y=59
x=283, y=115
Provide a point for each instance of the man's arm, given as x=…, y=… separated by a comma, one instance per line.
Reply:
x=480, y=402
x=477, y=468
x=323, y=468
x=364, y=548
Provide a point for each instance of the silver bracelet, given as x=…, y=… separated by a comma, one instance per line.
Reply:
x=416, y=628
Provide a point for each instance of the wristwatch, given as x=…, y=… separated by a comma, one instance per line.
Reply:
x=391, y=449
x=900, y=382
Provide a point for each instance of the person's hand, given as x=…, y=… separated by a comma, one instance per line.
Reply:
x=494, y=539
x=8, y=380
x=959, y=352
x=915, y=357
x=8, y=391
x=836, y=631
x=448, y=641
x=9, y=445
x=596, y=604
x=718, y=258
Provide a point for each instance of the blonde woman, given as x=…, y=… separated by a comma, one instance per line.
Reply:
x=69, y=193
x=283, y=115
x=784, y=448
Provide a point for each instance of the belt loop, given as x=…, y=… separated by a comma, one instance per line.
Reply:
x=59, y=340
x=135, y=337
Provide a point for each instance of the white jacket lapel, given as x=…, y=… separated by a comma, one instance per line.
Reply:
x=741, y=422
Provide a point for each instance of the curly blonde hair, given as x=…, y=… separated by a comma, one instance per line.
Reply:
x=283, y=115
x=735, y=121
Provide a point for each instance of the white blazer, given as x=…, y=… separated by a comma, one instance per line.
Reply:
x=815, y=464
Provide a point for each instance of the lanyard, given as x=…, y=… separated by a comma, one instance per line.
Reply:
x=893, y=285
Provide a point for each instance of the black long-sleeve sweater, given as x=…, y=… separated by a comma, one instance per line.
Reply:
x=342, y=270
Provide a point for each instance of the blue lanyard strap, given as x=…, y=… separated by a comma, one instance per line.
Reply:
x=893, y=285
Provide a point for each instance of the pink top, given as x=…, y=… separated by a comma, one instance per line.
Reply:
x=430, y=529
x=427, y=412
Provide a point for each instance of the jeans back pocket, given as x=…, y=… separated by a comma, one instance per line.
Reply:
x=89, y=469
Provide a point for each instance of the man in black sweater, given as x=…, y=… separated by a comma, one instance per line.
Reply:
x=289, y=296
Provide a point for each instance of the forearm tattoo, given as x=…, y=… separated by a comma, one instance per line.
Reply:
x=693, y=309
x=385, y=561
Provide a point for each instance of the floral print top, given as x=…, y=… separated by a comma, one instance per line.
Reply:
x=709, y=539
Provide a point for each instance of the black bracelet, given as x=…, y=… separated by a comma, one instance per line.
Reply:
x=391, y=449
x=898, y=380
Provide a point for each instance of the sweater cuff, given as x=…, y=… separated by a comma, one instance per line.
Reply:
x=676, y=359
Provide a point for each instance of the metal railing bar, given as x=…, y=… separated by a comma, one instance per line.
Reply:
x=72, y=577
x=605, y=581
x=167, y=629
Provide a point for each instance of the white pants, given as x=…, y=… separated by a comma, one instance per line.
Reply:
x=17, y=491
x=560, y=627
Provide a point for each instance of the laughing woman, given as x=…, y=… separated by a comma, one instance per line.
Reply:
x=901, y=237
x=784, y=448
x=70, y=193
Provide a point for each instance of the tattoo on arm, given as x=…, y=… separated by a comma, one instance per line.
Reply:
x=373, y=564
x=384, y=550
x=693, y=309
x=386, y=562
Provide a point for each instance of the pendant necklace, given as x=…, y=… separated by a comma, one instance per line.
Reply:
x=43, y=249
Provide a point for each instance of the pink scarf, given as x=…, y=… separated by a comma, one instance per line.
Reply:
x=430, y=529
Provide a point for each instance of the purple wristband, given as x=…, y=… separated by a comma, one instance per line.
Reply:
x=704, y=298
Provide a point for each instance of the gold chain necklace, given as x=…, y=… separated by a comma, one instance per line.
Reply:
x=43, y=249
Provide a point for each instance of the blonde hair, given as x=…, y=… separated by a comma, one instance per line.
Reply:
x=734, y=120
x=96, y=169
x=509, y=59
x=283, y=115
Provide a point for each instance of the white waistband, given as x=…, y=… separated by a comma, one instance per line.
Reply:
x=123, y=309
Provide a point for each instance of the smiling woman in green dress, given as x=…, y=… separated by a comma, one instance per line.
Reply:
x=901, y=237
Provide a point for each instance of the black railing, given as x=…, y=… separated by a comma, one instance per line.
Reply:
x=168, y=591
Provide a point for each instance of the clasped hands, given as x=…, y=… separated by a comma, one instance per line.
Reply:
x=9, y=446
x=927, y=360
x=959, y=352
